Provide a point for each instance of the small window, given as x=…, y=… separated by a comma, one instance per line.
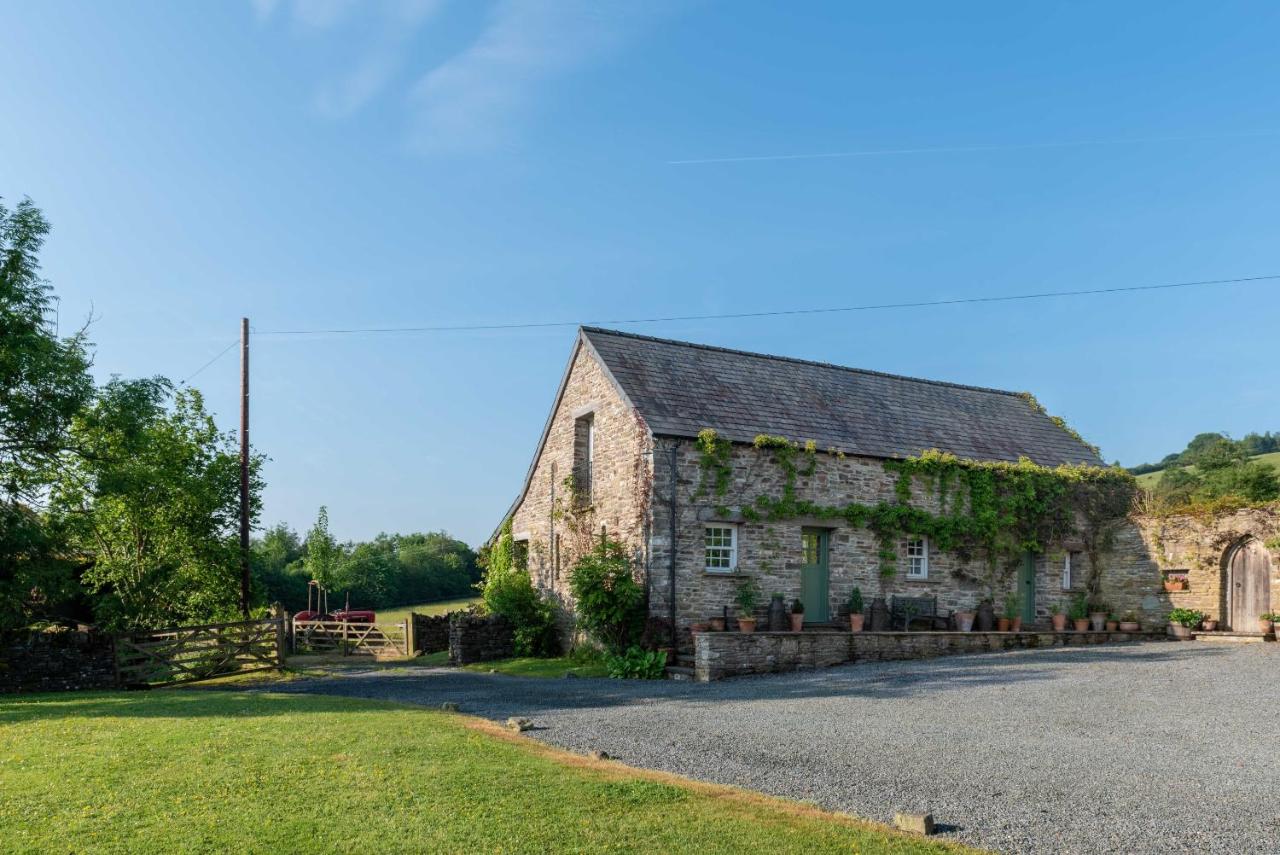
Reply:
x=917, y=552
x=584, y=452
x=721, y=543
x=1068, y=570
x=520, y=556
x=555, y=555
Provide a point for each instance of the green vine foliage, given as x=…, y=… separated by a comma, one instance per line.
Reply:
x=993, y=510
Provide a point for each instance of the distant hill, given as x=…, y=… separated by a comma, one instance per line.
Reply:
x=1148, y=480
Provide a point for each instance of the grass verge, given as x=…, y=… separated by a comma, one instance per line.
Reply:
x=170, y=771
x=399, y=613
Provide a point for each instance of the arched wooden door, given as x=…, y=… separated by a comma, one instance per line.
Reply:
x=1248, y=585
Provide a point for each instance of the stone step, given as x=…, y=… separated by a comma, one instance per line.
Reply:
x=676, y=672
x=1229, y=637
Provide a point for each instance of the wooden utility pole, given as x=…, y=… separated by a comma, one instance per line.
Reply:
x=244, y=467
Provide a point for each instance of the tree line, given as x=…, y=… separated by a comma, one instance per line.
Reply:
x=390, y=570
x=1251, y=445
x=119, y=503
x=1214, y=467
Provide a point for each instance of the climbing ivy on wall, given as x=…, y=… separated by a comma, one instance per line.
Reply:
x=992, y=510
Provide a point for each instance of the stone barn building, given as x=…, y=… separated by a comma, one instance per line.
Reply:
x=620, y=454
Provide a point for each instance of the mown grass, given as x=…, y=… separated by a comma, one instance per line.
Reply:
x=399, y=613
x=1148, y=479
x=531, y=667
x=173, y=771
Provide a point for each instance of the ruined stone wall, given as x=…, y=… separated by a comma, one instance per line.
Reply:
x=1198, y=545
x=56, y=661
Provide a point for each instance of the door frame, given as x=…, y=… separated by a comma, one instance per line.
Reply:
x=1027, y=578
x=820, y=610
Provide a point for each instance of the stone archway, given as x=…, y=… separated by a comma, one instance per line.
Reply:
x=1246, y=584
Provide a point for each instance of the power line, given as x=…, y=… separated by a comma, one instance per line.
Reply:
x=221, y=354
x=763, y=314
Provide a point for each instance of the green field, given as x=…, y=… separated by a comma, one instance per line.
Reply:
x=172, y=771
x=1148, y=480
x=399, y=613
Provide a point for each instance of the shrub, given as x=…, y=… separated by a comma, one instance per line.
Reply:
x=1190, y=618
x=610, y=602
x=747, y=596
x=797, y=608
x=637, y=664
x=1011, y=606
x=855, y=601
x=512, y=595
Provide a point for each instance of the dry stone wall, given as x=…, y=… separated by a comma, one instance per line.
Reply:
x=56, y=661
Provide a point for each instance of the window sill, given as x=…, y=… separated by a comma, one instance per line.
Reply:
x=725, y=574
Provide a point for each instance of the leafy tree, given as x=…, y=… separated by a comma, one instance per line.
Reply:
x=324, y=555
x=151, y=500
x=44, y=382
x=276, y=561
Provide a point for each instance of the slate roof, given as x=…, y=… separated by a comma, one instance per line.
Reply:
x=681, y=388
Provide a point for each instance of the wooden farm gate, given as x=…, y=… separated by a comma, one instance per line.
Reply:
x=187, y=653
x=347, y=638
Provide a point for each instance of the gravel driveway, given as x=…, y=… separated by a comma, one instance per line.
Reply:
x=1147, y=748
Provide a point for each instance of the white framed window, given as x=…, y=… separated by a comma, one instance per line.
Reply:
x=1068, y=570
x=720, y=543
x=917, y=552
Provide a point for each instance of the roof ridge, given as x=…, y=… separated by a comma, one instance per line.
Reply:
x=797, y=360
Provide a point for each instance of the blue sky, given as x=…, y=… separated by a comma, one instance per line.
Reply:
x=322, y=163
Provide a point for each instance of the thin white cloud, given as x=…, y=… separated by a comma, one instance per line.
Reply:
x=381, y=63
x=474, y=100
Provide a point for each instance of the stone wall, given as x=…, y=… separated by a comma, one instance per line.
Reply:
x=772, y=552
x=556, y=531
x=430, y=633
x=1198, y=545
x=479, y=639
x=726, y=654
x=56, y=661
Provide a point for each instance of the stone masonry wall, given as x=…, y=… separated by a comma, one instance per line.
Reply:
x=479, y=639
x=556, y=532
x=430, y=633
x=56, y=661
x=772, y=552
x=726, y=654
x=1197, y=545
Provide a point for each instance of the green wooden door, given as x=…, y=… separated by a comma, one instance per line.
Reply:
x=1027, y=589
x=815, y=576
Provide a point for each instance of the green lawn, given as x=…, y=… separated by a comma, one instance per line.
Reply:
x=1149, y=479
x=180, y=771
x=399, y=613
x=523, y=666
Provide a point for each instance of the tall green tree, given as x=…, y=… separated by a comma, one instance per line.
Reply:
x=44, y=382
x=324, y=554
x=152, y=498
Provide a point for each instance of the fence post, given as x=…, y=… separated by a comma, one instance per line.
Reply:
x=410, y=643
x=281, y=635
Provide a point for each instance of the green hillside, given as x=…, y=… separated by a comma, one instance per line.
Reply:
x=1148, y=479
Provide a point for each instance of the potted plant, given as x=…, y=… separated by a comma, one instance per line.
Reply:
x=746, y=598
x=1129, y=623
x=797, y=616
x=964, y=621
x=1266, y=622
x=1175, y=583
x=1112, y=623
x=715, y=624
x=856, y=617
x=1005, y=621
x=1209, y=624
x=1058, y=618
x=1079, y=613
x=1182, y=622
x=1098, y=617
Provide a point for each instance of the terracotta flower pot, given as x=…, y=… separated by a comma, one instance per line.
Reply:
x=1178, y=585
x=746, y=624
x=1081, y=625
x=1129, y=626
x=1113, y=625
x=797, y=622
x=1059, y=623
x=1016, y=625
x=1264, y=626
x=1209, y=625
x=1179, y=631
x=1003, y=624
x=699, y=627
x=717, y=624
x=964, y=621
x=856, y=621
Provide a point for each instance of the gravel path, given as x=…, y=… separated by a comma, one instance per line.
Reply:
x=1148, y=748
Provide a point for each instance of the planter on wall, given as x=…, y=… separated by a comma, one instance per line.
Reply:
x=1098, y=621
x=964, y=621
x=856, y=622
x=1179, y=585
x=1059, y=622
x=1264, y=626
x=797, y=622
x=1081, y=625
x=1003, y=624
x=1209, y=625
x=1179, y=631
x=1129, y=626
x=1112, y=625
x=716, y=624
x=746, y=624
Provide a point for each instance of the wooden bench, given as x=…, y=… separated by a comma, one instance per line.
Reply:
x=905, y=611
